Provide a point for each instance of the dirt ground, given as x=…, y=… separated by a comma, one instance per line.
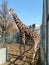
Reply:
x=14, y=57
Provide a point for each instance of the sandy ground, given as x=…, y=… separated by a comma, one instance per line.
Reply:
x=16, y=59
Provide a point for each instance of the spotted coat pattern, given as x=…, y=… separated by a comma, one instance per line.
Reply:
x=26, y=32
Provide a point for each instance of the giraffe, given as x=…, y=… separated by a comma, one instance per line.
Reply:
x=25, y=31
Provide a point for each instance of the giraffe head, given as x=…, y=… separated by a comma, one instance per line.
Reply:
x=11, y=11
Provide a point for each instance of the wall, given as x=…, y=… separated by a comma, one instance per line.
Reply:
x=3, y=55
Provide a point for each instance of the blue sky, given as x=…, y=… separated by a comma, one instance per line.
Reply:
x=29, y=11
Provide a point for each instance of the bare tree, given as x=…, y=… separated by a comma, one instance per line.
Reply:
x=4, y=14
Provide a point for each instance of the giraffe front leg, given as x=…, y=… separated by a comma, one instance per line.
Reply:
x=20, y=49
x=23, y=41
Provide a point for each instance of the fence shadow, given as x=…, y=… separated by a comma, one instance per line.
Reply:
x=18, y=57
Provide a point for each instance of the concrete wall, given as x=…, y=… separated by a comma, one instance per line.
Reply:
x=3, y=55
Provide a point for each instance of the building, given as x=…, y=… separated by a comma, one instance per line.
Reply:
x=36, y=28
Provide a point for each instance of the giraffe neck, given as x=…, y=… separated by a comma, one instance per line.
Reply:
x=23, y=28
x=17, y=21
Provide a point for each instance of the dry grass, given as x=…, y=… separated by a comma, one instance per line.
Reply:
x=14, y=54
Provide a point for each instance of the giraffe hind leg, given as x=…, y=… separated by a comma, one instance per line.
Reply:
x=36, y=47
